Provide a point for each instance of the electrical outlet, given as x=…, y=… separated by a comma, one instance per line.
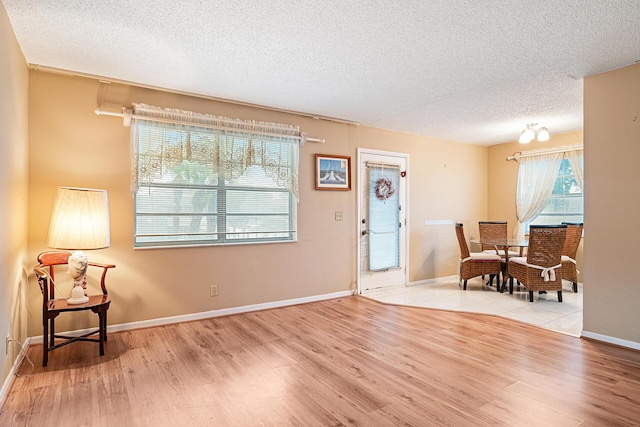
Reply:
x=6, y=345
x=338, y=216
x=213, y=291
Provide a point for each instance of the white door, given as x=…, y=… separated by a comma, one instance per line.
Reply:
x=382, y=206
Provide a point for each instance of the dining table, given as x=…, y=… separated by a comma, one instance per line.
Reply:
x=502, y=247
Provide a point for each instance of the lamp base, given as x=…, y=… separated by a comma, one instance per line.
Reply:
x=78, y=263
x=78, y=296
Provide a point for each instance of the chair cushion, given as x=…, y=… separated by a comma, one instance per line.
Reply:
x=484, y=256
x=548, y=273
x=519, y=259
x=501, y=252
x=566, y=258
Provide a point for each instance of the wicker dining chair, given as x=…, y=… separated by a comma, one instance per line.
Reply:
x=473, y=264
x=571, y=243
x=494, y=230
x=541, y=269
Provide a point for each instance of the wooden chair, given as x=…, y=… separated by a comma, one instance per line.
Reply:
x=473, y=264
x=540, y=270
x=52, y=307
x=494, y=230
x=571, y=244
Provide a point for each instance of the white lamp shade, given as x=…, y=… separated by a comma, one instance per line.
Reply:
x=80, y=219
x=543, y=134
x=526, y=136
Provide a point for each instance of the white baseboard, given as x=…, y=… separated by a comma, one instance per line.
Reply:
x=206, y=314
x=12, y=373
x=611, y=340
x=445, y=279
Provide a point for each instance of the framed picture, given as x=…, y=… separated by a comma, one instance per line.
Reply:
x=333, y=172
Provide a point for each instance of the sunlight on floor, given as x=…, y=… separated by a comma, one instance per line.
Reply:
x=545, y=311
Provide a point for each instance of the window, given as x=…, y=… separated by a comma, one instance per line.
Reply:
x=205, y=186
x=549, y=188
x=566, y=203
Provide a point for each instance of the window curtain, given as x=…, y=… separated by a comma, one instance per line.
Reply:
x=536, y=178
x=230, y=146
x=576, y=160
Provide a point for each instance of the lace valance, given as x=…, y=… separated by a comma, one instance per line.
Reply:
x=199, y=148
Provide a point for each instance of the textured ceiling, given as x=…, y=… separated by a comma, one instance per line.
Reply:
x=474, y=71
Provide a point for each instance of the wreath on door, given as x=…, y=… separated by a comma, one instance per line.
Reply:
x=384, y=189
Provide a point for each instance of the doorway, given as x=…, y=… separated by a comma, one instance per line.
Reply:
x=382, y=219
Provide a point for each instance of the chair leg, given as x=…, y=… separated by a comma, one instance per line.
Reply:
x=105, y=325
x=101, y=332
x=575, y=286
x=497, y=276
x=464, y=287
x=559, y=296
x=530, y=296
x=511, y=286
x=52, y=332
x=45, y=342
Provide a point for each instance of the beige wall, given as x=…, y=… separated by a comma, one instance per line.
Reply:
x=612, y=203
x=70, y=145
x=13, y=193
x=503, y=176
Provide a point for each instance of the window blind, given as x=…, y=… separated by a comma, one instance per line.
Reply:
x=205, y=186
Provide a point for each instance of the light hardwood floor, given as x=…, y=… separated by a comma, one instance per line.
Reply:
x=348, y=361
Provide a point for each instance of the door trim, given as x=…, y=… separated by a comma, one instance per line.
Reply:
x=359, y=196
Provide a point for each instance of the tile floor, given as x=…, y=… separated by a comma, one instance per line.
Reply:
x=545, y=310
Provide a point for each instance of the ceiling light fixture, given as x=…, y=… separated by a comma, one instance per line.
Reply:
x=529, y=133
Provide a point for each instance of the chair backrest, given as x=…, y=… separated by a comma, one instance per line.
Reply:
x=50, y=259
x=492, y=230
x=572, y=241
x=464, y=248
x=545, y=244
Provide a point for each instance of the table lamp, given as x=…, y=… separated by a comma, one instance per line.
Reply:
x=79, y=221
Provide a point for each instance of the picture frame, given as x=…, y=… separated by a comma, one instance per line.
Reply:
x=333, y=172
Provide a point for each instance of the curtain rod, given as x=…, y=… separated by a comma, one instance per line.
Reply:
x=100, y=112
x=521, y=154
x=109, y=80
x=382, y=165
